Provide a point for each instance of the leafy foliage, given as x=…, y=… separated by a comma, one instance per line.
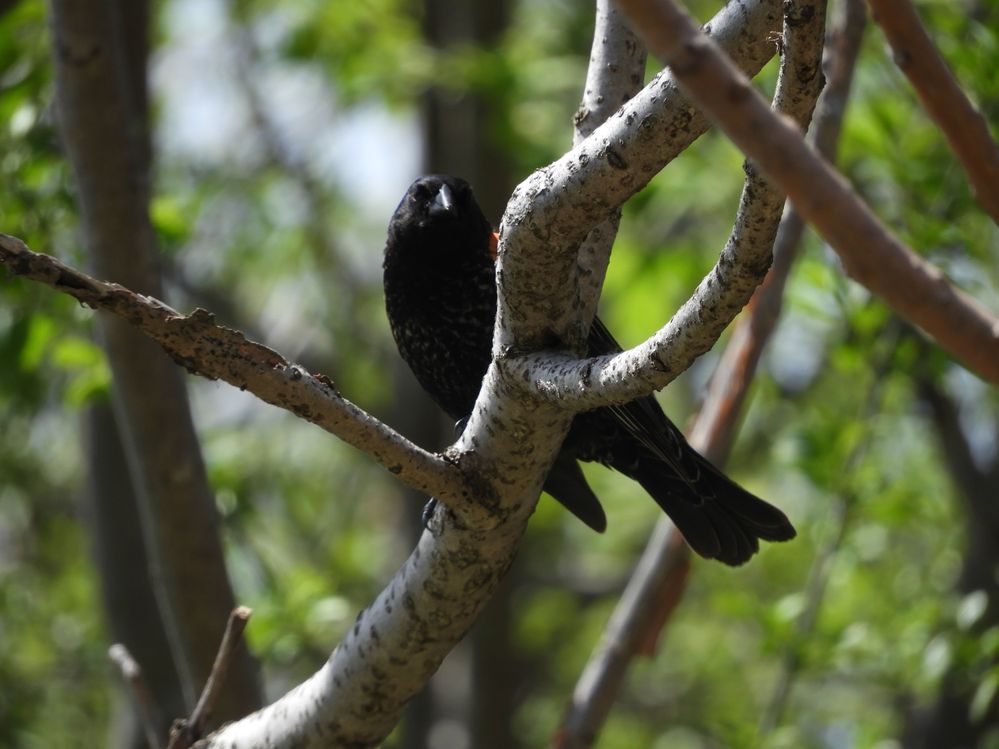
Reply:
x=280, y=234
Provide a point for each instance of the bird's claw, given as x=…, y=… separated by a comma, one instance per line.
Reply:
x=428, y=513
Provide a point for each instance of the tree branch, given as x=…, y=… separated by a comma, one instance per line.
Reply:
x=395, y=646
x=205, y=348
x=99, y=54
x=659, y=579
x=870, y=253
x=186, y=732
x=615, y=74
x=962, y=124
x=550, y=213
x=728, y=387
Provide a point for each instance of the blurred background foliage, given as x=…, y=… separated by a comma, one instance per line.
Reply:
x=284, y=135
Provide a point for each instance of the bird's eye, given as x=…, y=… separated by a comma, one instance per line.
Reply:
x=420, y=193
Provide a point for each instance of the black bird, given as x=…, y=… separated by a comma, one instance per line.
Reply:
x=440, y=295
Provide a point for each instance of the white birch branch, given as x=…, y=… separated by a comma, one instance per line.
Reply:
x=615, y=74
x=550, y=213
x=507, y=447
x=658, y=581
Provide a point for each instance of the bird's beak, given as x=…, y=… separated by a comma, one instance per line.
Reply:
x=443, y=202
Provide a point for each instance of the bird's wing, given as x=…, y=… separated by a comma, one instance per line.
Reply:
x=644, y=418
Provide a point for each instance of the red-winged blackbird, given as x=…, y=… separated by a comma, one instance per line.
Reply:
x=440, y=295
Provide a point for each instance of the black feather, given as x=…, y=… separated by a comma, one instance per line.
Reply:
x=440, y=295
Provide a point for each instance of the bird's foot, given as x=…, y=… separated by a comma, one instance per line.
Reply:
x=428, y=513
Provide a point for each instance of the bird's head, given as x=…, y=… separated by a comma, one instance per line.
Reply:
x=440, y=215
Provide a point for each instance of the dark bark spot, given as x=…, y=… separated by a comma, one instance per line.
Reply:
x=615, y=159
x=202, y=316
x=796, y=14
x=80, y=58
x=64, y=279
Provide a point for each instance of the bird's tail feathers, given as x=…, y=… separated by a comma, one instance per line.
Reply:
x=567, y=484
x=719, y=519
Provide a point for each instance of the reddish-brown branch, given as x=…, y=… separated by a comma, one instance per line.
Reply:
x=870, y=253
x=730, y=382
x=659, y=580
x=660, y=576
x=941, y=95
x=651, y=597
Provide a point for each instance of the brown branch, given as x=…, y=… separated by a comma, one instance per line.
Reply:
x=651, y=596
x=870, y=253
x=659, y=579
x=962, y=124
x=185, y=732
x=661, y=573
x=205, y=348
x=99, y=60
x=132, y=673
x=728, y=388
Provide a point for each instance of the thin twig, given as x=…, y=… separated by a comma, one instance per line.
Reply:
x=186, y=732
x=132, y=673
x=205, y=348
x=962, y=124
